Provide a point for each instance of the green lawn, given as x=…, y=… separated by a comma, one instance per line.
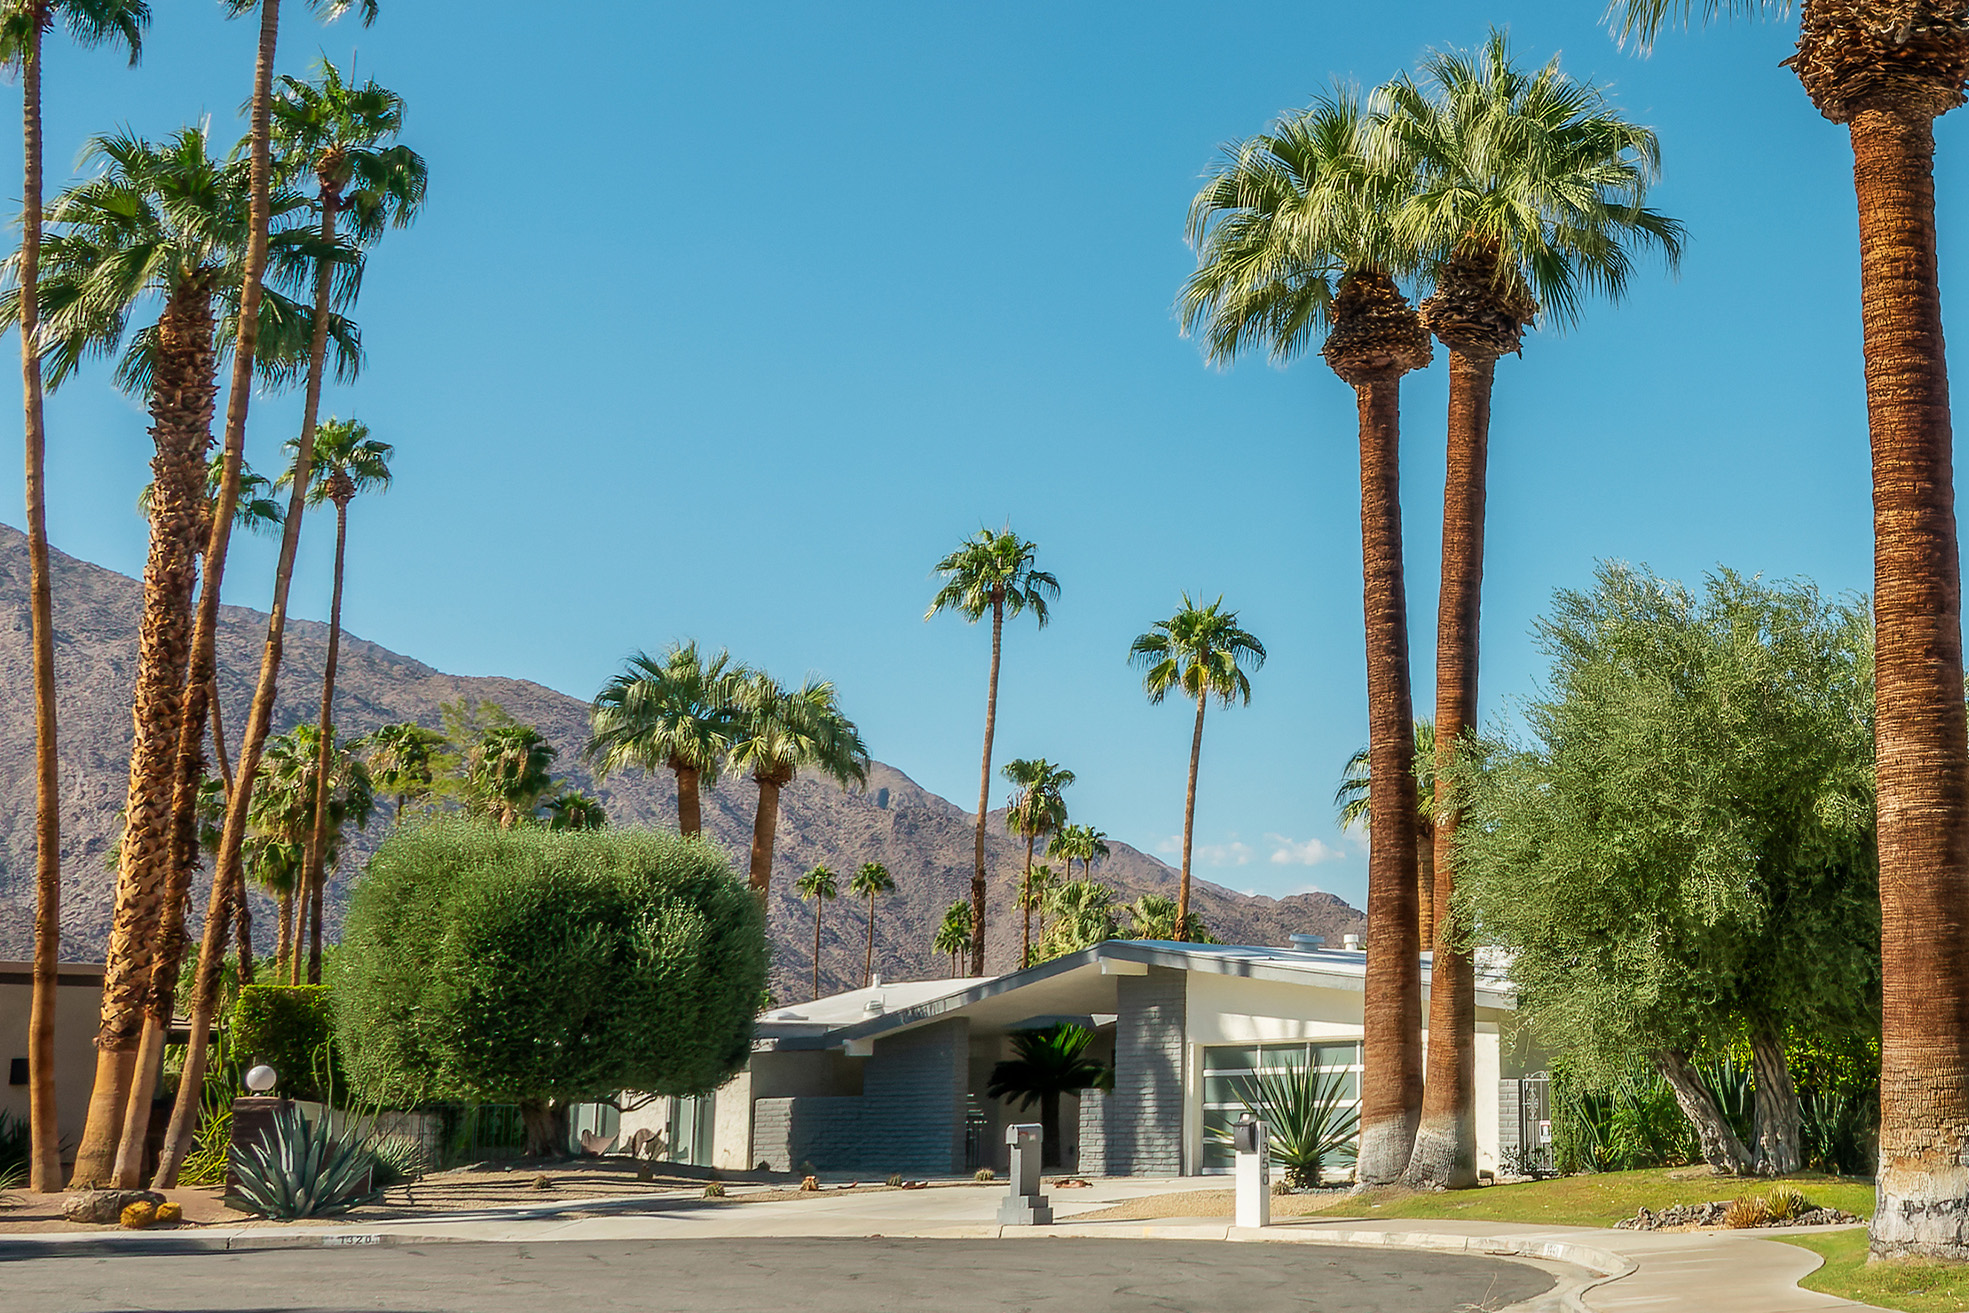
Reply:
x=1600, y=1200
x=1909, y=1284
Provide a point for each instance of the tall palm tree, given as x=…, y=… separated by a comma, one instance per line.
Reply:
x=401, y=760
x=1886, y=69
x=1352, y=798
x=668, y=713
x=228, y=877
x=340, y=139
x=507, y=774
x=954, y=933
x=1153, y=916
x=286, y=803
x=1202, y=651
x=1079, y=843
x=22, y=23
x=345, y=462
x=819, y=886
x=1295, y=232
x=776, y=734
x=158, y=224
x=991, y=574
x=1034, y=811
x=871, y=879
x=1083, y=916
x=1530, y=195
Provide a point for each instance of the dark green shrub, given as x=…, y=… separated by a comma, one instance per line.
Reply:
x=528, y=965
x=290, y=1028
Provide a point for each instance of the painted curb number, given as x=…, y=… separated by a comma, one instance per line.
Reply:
x=350, y=1240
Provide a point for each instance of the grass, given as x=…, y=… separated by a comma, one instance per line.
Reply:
x=1601, y=1199
x=1912, y=1285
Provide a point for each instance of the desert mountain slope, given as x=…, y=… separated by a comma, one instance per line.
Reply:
x=923, y=839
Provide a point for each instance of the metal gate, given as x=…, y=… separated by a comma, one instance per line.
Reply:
x=1535, y=1120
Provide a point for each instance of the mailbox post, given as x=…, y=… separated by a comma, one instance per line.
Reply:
x=1251, y=1138
x=1025, y=1206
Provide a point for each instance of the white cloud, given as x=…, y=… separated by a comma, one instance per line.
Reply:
x=1232, y=852
x=1308, y=852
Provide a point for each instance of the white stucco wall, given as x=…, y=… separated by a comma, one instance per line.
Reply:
x=1224, y=1009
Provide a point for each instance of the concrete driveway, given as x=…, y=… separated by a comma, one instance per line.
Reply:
x=741, y=1275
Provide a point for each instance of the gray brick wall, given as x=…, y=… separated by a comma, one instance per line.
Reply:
x=1093, y=1133
x=1144, y=1133
x=1507, y=1117
x=908, y=1118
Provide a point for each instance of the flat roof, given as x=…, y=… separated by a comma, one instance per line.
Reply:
x=1078, y=984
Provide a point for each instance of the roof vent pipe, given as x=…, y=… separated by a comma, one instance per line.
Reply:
x=874, y=1007
x=1351, y=943
x=1309, y=943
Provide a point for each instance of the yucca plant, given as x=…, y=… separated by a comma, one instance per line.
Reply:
x=305, y=1169
x=1307, y=1116
x=398, y=1159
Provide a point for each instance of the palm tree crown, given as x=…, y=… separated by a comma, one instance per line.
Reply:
x=777, y=732
x=1200, y=650
x=1529, y=187
x=347, y=461
x=339, y=135
x=1037, y=809
x=672, y=712
x=89, y=23
x=994, y=570
x=507, y=773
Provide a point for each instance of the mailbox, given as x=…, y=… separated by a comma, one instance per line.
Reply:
x=1244, y=1136
x=1025, y=1205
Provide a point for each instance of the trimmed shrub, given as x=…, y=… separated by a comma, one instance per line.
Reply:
x=290, y=1028
x=530, y=965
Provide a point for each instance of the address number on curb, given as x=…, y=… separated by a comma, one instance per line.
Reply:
x=334, y=1240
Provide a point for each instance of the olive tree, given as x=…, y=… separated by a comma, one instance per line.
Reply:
x=1684, y=854
x=544, y=967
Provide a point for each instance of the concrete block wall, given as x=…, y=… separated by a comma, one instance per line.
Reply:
x=908, y=1118
x=1507, y=1118
x=1093, y=1133
x=1144, y=1132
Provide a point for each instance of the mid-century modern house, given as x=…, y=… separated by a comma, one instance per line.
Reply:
x=892, y=1078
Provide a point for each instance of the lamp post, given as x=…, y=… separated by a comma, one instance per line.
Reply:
x=252, y=1123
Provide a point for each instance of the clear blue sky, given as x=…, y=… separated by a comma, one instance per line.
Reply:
x=727, y=321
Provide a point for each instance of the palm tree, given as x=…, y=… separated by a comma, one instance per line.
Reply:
x=776, y=734
x=671, y=712
x=1081, y=843
x=1530, y=195
x=1202, y=651
x=1351, y=797
x=506, y=774
x=1154, y=917
x=1296, y=232
x=228, y=878
x=818, y=885
x=1035, y=896
x=1049, y=1063
x=575, y=810
x=286, y=801
x=158, y=223
x=1035, y=810
x=346, y=461
x=1887, y=71
x=954, y=933
x=991, y=574
x=401, y=760
x=871, y=879
x=22, y=22
x=336, y=137
x=1083, y=916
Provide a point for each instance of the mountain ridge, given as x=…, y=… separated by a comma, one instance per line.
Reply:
x=924, y=839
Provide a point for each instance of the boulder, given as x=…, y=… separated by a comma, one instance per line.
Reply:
x=105, y=1207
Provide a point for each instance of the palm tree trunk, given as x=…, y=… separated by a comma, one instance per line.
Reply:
x=1922, y=759
x=1445, y=1154
x=128, y=1172
x=868, y=962
x=1425, y=884
x=182, y=398
x=1391, y=1076
x=1189, y=823
x=984, y=790
x=301, y=923
x=44, y=1152
x=324, y=792
x=219, y=737
x=817, y=902
x=243, y=929
x=690, y=809
x=184, y=1113
x=764, y=822
x=284, y=944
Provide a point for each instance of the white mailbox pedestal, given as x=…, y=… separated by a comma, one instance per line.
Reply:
x=1251, y=1139
x=1025, y=1206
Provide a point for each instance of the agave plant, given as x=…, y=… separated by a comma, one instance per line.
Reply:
x=304, y=1169
x=1307, y=1117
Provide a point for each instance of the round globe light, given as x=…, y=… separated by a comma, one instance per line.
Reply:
x=260, y=1079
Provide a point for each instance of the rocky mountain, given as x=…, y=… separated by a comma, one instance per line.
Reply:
x=923, y=839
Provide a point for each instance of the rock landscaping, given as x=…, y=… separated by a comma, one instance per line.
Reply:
x=1717, y=1213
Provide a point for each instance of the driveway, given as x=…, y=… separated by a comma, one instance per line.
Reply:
x=808, y=1275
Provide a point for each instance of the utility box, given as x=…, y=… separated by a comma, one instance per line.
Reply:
x=1024, y=1205
x=1251, y=1139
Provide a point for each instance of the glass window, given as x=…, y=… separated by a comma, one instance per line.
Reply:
x=1228, y=1070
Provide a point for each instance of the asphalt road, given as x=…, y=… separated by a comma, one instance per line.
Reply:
x=801, y=1276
